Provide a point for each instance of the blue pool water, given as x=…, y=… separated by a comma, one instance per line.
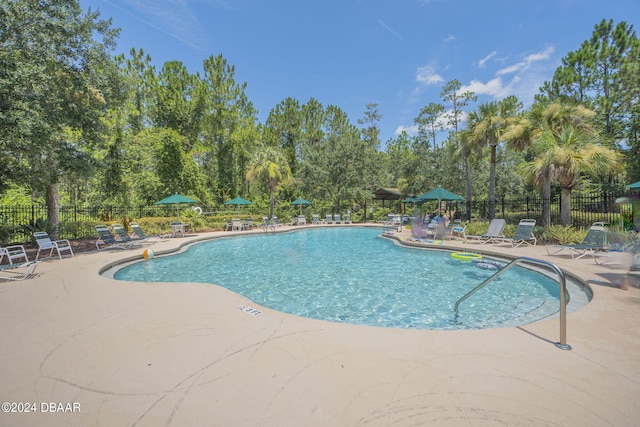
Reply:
x=351, y=275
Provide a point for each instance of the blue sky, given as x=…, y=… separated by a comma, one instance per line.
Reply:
x=396, y=53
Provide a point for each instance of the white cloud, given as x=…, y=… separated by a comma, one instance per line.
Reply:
x=527, y=61
x=449, y=38
x=427, y=75
x=410, y=130
x=495, y=88
x=484, y=60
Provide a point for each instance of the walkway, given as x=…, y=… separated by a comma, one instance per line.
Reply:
x=150, y=354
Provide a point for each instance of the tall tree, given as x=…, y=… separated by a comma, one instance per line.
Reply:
x=603, y=75
x=564, y=155
x=270, y=165
x=545, y=121
x=227, y=110
x=487, y=125
x=456, y=101
x=430, y=122
x=283, y=128
x=55, y=69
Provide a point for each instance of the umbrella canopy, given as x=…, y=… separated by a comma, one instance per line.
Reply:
x=634, y=186
x=411, y=199
x=176, y=199
x=238, y=201
x=301, y=202
x=439, y=194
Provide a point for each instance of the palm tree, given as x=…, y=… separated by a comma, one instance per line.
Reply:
x=487, y=125
x=550, y=120
x=270, y=164
x=564, y=156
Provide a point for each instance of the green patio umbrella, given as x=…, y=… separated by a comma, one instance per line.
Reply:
x=439, y=194
x=176, y=199
x=300, y=202
x=634, y=186
x=238, y=201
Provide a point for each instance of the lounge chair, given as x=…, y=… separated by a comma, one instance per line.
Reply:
x=141, y=236
x=315, y=219
x=301, y=220
x=275, y=221
x=336, y=219
x=347, y=219
x=17, y=271
x=329, y=219
x=266, y=224
x=523, y=235
x=248, y=224
x=106, y=239
x=594, y=241
x=44, y=243
x=494, y=232
x=236, y=224
x=457, y=229
x=13, y=252
x=123, y=236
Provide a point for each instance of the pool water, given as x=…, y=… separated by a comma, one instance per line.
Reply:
x=349, y=274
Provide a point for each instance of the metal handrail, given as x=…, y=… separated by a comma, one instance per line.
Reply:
x=563, y=290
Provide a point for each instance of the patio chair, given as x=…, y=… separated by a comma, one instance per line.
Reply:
x=346, y=219
x=594, y=241
x=315, y=219
x=17, y=271
x=336, y=219
x=248, y=224
x=523, y=235
x=458, y=229
x=123, y=236
x=45, y=242
x=275, y=221
x=141, y=236
x=494, y=232
x=13, y=252
x=329, y=219
x=106, y=239
x=236, y=224
x=266, y=224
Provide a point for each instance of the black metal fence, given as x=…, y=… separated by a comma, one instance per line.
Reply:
x=77, y=222
x=585, y=208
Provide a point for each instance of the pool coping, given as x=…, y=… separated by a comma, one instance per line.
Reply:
x=161, y=353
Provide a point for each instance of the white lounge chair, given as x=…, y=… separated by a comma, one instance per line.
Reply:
x=45, y=242
x=594, y=241
x=523, y=235
x=13, y=253
x=493, y=234
x=106, y=239
x=22, y=271
x=141, y=236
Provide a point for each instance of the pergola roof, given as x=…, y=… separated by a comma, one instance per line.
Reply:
x=387, y=194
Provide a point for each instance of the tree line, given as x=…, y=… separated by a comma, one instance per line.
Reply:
x=80, y=125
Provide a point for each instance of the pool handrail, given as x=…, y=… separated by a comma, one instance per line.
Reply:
x=562, y=344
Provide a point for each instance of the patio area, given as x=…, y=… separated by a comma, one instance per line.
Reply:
x=83, y=349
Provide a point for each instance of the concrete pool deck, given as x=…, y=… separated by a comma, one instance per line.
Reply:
x=82, y=349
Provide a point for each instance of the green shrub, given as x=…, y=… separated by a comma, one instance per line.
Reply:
x=562, y=234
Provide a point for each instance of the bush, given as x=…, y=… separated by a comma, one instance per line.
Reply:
x=562, y=234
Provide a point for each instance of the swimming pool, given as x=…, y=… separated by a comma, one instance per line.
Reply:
x=349, y=274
